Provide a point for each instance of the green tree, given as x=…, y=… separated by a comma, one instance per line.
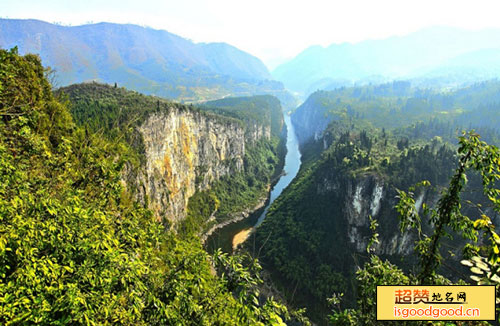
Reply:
x=474, y=155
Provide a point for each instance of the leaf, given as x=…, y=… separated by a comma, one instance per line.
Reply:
x=482, y=266
x=466, y=263
x=495, y=278
x=476, y=270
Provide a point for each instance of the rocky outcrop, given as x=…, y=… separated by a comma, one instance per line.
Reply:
x=369, y=195
x=311, y=119
x=185, y=151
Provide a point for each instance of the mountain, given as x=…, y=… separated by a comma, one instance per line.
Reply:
x=399, y=104
x=359, y=146
x=187, y=155
x=144, y=59
x=91, y=252
x=464, y=69
x=409, y=56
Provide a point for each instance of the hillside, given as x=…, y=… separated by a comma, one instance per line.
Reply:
x=77, y=248
x=186, y=160
x=399, y=104
x=360, y=146
x=265, y=110
x=146, y=60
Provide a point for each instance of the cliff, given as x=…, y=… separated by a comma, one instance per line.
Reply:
x=311, y=119
x=187, y=151
x=364, y=196
x=182, y=150
x=75, y=247
x=316, y=233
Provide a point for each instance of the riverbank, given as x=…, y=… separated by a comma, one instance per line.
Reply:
x=238, y=217
x=230, y=234
x=246, y=213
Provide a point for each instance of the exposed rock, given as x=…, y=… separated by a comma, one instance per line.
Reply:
x=310, y=121
x=365, y=196
x=186, y=151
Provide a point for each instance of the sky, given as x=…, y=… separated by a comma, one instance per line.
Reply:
x=273, y=30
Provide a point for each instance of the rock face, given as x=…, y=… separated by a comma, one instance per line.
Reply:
x=179, y=149
x=310, y=120
x=186, y=151
x=366, y=196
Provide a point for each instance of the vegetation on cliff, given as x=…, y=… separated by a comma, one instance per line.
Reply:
x=399, y=105
x=263, y=161
x=264, y=110
x=315, y=234
x=474, y=156
x=116, y=112
x=305, y=239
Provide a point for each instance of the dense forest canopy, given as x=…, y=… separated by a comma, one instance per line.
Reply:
x=75, y=248
x=116, y=113
x=415, y=111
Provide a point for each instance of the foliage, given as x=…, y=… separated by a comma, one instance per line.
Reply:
x=265, y=110
x=392, y=135
x=306, y=238
x=116, y=113
x=474, y=154
x=75, y=248
x=415, y=112
x=238, y=192
x=240, y=280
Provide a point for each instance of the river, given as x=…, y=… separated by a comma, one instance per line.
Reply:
x=236, y=233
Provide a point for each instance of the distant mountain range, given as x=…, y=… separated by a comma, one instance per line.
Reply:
x=434, y=55
x=161, y=63
x=144, y=59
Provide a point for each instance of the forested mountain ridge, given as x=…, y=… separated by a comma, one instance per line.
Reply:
x=75, y=246
x=185, y=152
x=143, y=59
x=316, y=234
x=360, y=146
x=398, y=104
x=253, y=108
x=105, y=192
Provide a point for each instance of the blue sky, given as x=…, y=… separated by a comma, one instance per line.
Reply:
x=273, y=30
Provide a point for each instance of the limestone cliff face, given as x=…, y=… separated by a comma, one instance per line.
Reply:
x=310, y=120
x=187, y=150
x=366, y=196
x=181, y=148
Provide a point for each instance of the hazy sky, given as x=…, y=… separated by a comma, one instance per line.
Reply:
x=270, y=29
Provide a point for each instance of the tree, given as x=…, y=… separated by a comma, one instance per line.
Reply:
x=474, y=155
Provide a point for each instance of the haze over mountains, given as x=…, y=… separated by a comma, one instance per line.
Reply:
x=164, y=64
x=147, y=60
x=438, y=55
